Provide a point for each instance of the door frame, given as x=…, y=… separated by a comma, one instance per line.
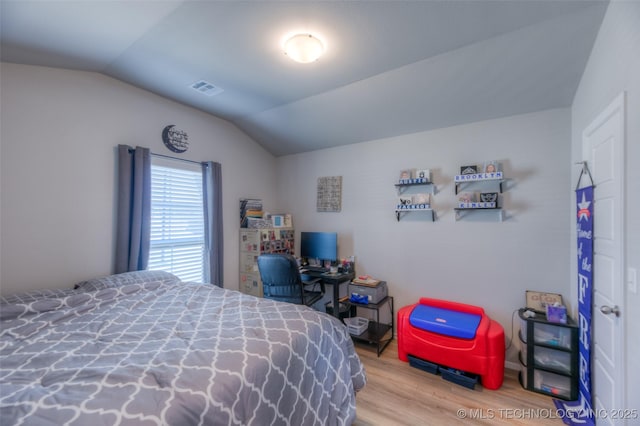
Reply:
x=618, y=105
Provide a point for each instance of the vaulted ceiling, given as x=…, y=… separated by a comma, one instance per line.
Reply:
x=390, y=67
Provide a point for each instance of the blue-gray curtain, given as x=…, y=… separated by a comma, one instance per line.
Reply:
x=212, y=193
x=134, y=209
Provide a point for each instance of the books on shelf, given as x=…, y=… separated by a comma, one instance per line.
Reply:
x=250, y=210
x=257, y=223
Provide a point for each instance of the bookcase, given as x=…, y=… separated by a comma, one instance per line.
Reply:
x=253, y=243
x=549, y=356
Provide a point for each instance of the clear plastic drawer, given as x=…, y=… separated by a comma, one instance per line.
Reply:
x=552, y=335
x=551, y=383
x=553, y=359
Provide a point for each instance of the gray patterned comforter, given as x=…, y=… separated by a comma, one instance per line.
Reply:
x=163, y=352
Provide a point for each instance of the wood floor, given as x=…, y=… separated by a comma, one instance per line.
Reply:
x=398, y=394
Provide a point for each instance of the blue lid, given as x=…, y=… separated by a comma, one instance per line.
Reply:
x=444, y=321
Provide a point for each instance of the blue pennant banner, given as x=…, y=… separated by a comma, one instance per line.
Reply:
x=580, y=412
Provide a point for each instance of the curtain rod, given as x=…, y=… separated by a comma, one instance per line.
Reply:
x=172, y=158
x=175, y=158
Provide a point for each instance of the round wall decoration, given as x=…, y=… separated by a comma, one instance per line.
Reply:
x=174, y=139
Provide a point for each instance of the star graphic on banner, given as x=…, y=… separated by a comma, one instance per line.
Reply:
x=584, y=209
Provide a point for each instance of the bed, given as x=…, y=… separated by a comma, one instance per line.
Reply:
x=145, y=348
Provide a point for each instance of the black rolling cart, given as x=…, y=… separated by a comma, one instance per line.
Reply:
x=380, y=330
x=549, y=356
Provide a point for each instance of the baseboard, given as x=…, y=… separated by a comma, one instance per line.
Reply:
x=512, y=365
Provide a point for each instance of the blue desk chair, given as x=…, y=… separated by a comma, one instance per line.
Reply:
x=281, y=280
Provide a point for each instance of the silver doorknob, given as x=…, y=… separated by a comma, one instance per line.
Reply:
x=609, y=310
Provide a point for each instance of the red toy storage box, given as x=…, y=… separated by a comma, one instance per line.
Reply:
x=482, y=355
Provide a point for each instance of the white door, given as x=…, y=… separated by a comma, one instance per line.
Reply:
x=603, y=149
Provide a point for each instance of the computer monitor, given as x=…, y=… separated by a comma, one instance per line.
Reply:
x=319, y=245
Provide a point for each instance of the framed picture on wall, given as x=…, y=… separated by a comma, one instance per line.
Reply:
x=329, y=195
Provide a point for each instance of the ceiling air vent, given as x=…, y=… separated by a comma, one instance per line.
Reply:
x=206, y=88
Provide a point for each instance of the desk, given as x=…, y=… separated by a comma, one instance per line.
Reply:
x=334, y=280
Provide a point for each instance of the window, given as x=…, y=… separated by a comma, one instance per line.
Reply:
x=177, y=219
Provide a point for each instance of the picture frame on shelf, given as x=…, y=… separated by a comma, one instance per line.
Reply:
x=420, y=199
x=277, y=220
x=538, y=301
x=467, y=197
x=491, y=167
x=469, y=170
x=406, y=175
x=424, y=174
x=489, y=197
x=405, y=200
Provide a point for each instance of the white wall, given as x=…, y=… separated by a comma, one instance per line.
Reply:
x=58, y=157
x=476, y=260
x=614, y=67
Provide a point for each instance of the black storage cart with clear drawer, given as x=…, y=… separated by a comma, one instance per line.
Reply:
x=549, y=356
x=379, y=332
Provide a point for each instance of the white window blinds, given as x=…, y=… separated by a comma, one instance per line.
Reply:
x=177, y=219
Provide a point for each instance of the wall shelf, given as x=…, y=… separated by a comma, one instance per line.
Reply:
x=463, y=180
x=404, y=184
x=488, y=201
x=461, y=212
x=423, y=205
x=400, y=212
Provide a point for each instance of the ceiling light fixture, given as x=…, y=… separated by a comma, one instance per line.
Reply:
x=303, y=48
